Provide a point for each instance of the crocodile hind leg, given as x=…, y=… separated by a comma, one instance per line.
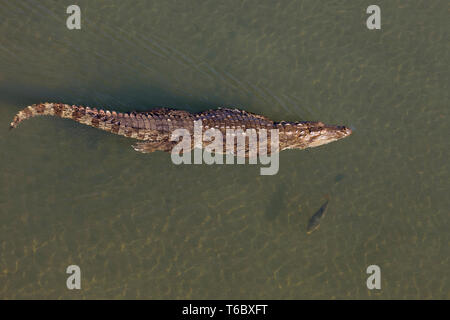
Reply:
x=151, y=146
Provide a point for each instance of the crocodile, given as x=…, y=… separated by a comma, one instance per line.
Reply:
x=153, y=128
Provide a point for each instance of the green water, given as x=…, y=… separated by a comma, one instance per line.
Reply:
x=141, y=227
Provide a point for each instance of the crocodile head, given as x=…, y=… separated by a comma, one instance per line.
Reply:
x=314, y=134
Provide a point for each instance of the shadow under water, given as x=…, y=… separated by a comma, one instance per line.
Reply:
x=276, y=203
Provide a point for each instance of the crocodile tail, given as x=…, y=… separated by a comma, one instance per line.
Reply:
x=87, y=116
x=122, y=124
x=47, y=109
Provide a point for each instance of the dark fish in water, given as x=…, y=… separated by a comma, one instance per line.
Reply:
x=314, y=222
x=339, y=177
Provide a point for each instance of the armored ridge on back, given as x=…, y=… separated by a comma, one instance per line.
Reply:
x=154, y=127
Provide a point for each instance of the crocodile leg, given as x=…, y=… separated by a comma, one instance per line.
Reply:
x=152, y=146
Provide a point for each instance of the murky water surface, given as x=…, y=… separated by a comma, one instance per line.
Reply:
x=141, y=227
